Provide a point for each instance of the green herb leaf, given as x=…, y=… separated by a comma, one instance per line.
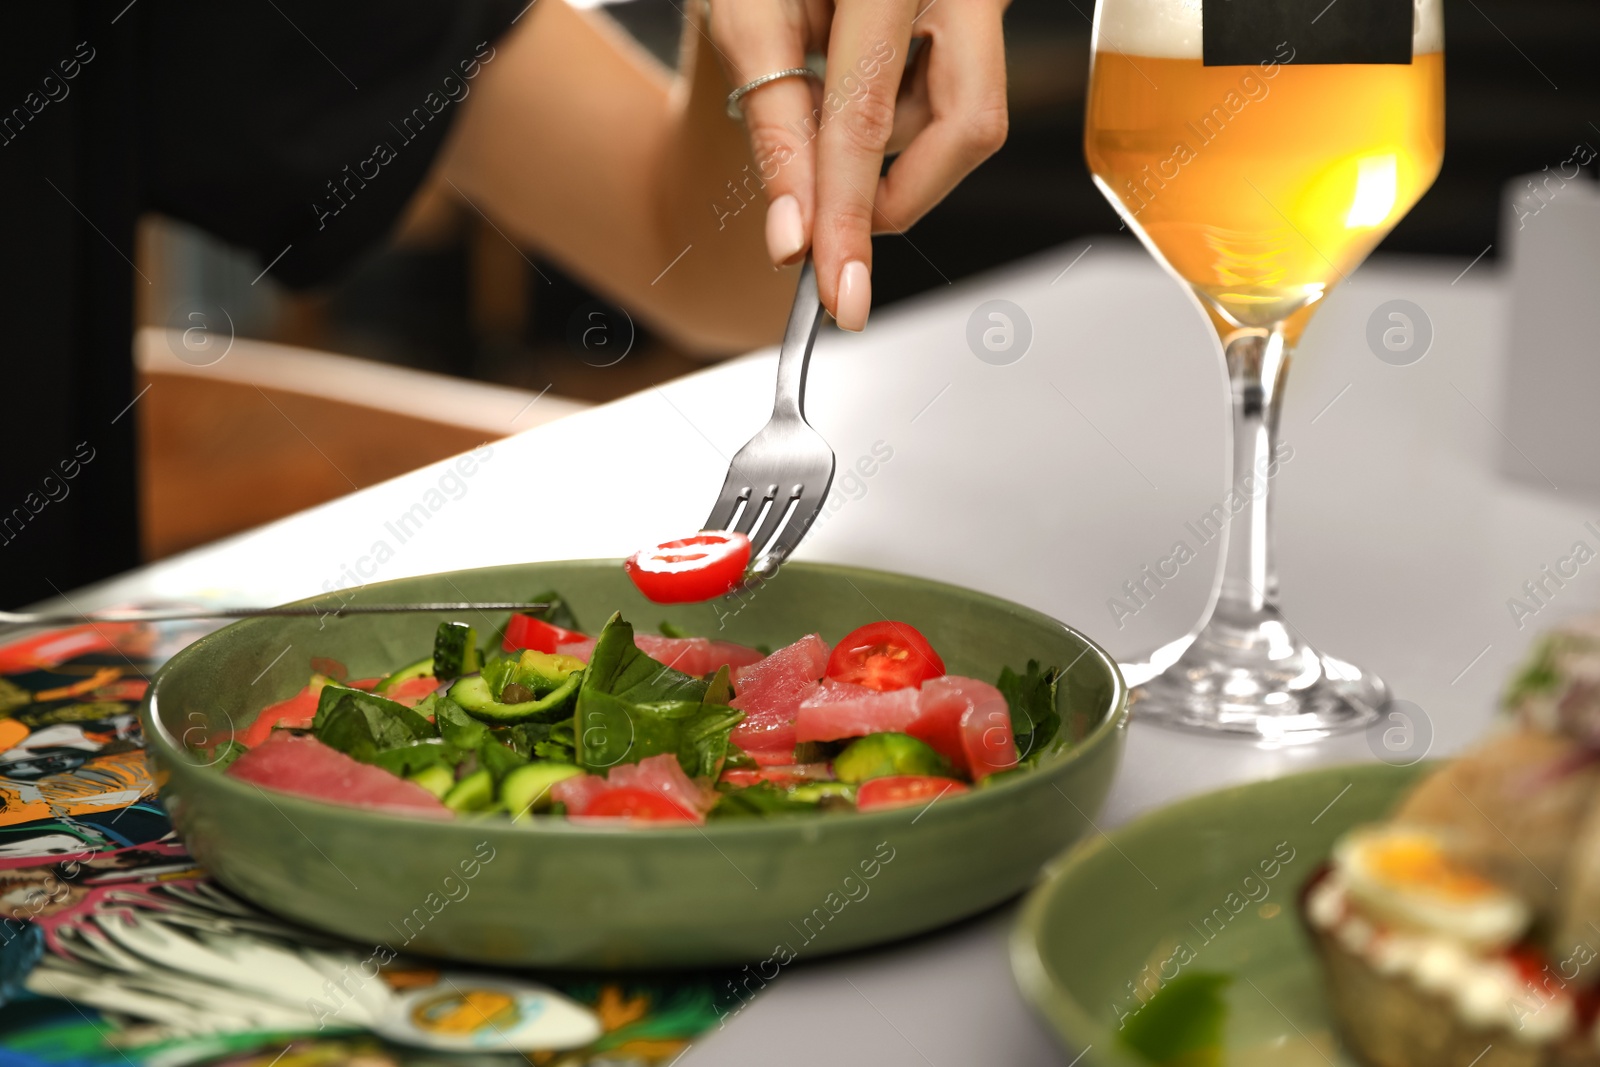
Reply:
x=1035, y=720
x=226, y=752
x=362, y=724
x=631, y=707
x=1537, y=676
x=1181, y=1025
x=560, y=751
x=720, y=691
x=499, y=672
x=545, y=740
x=672, y=629
x=759, y=800
x=497, y=758
x=617, y=667
x=706, y=737
x=456, y=726
x=559, y=613
x=417, y=756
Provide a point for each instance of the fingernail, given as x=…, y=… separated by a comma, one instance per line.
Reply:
x=786, y=234
x=855, y=296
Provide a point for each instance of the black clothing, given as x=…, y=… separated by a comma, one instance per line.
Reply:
x=298, y=130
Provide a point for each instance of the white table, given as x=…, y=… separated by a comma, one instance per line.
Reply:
x=1050, y=481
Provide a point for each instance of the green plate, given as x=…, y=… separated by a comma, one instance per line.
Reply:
x=552, y=893
x=1184, y=893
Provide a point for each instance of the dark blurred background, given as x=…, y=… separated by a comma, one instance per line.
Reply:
x=1523, y=89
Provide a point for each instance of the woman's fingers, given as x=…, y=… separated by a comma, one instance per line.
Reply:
x=757, y=38
x=966, y=88
x=776, y=116
x=912, y=112
x=819, y=151
x=866, y=57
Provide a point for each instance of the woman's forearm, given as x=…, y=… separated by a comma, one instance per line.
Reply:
x=576, y=144
x=713, y=194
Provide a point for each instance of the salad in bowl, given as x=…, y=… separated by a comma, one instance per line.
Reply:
x=545, y=721
x=631, y=794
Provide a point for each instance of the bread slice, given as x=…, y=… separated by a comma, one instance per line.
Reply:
x=1388, y=1021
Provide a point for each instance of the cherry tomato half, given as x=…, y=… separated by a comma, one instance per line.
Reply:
x=701, y=567
x=525, y=631
x=903, y=790
x=628, y=802
x=885, y=655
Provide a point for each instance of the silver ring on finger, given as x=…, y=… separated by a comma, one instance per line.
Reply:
x=735, y=111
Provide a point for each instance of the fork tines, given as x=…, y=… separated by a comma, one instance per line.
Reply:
x=778, y=480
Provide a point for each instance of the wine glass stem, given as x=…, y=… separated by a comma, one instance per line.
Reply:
x=1258, y=366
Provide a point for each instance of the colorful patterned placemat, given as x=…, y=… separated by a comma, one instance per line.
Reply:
x=116, y=949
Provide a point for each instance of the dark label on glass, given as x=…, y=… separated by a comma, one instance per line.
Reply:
x=1245, y=32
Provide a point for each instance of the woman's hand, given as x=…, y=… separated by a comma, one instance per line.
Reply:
x=819, y=149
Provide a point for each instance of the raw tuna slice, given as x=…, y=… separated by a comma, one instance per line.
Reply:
x=411, y=692
x=658, y=774
x=833, y=710
x=782, y=774
x=968, y=722
x=306, y=767
x=663, y=774
x=769, y=693
x=695, y=655
x=582, y=649
x=781, y=756
x=578, y=792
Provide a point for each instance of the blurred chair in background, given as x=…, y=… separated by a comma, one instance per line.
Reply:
x=228, y=445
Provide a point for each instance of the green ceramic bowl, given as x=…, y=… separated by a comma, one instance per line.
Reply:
x=1207, y=887
x=556, y=894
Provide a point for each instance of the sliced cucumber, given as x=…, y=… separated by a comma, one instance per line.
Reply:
x=880, y=755
x=544, y=671
x=420, y=669
x=475, y=792
x=534, y=675
x=819, y=791
x=438, y=779
x=475, y=696
x=455, y=651
x=527, y=789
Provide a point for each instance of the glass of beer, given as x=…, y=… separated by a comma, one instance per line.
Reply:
x=1260, y=150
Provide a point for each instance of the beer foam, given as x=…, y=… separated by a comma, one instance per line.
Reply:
x=1170, y=29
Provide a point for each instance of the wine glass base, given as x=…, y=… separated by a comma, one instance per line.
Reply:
x=1254, y=681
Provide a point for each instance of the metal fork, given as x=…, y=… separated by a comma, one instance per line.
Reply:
x=777, y=482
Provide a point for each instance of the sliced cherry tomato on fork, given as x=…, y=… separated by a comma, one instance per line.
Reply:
x=904, y=790
x=525, y=631
x=885, y=655
x=701, y=567
x=629, y=802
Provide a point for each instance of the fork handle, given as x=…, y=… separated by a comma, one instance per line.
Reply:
x=795, y=355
